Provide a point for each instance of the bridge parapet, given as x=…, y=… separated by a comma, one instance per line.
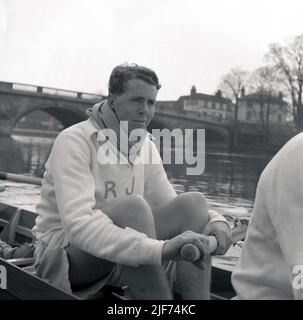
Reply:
x=194, y=116
x=14, y=86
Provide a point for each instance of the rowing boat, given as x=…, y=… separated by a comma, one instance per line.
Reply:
x=22, y=283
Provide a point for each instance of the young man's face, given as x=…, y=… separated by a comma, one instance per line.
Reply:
x=136, y=104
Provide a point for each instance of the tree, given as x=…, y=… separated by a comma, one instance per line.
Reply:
x=231, y=85
x=263, y=85
x=288, y=62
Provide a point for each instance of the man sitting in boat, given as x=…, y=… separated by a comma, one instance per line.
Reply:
x=117, y=224
x=271, y=262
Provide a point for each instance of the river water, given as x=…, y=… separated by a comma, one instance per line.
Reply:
x=228, y=177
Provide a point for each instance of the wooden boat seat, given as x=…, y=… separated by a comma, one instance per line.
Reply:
x=16, y=224
x=11, y=228
x=22, y=262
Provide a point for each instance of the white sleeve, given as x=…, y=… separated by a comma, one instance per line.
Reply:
x=286, y=211
x=87, y=228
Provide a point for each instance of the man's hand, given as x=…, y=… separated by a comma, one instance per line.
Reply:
x=172, y=247
x=221, y=231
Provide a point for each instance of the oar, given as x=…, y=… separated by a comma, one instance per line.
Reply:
x=190, y=252
x=20, y=178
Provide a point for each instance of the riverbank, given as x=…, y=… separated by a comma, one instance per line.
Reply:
x=35, y=133
x=252, y=149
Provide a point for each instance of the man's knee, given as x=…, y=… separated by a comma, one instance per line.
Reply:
x=136, y=214
x=194, y=210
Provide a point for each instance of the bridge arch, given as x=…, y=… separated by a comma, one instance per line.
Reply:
x=213, y=133
x=156, y=124
x=67, y=115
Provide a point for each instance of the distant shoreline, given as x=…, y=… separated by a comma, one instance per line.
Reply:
x=246, y=149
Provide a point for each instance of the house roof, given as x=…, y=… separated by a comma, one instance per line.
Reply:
x=272, y=99
x=266, y=97
x=166, y=102
x=203, y=96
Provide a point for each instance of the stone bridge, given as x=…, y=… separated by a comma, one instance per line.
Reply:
x=68, y=107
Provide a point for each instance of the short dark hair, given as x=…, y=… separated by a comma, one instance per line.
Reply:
x=125, y=72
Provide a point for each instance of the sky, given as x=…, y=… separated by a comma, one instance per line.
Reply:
x=74, y=44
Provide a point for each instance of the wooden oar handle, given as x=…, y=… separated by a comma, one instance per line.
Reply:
x=190, y=252
x=20, y=178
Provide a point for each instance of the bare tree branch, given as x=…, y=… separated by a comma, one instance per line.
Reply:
x=288, y=61
x=231, y=85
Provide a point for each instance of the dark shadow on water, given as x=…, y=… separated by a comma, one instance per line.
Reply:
x=24, y=154
x=228, y=174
